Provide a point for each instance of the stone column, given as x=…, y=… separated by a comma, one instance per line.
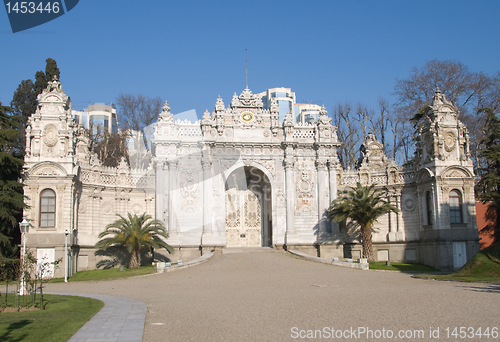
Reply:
x=400, y=233
x=207, y=238
x=28, y=141
x=391, y=236
x=160, y=191
x=207, y=185
x=172, y=222
x=421, y=208
x=398, y=205
x=322, y=230
x=436, y=217
x=468, y=206
x=332, y=173
x=265, y=219
x=290, y=200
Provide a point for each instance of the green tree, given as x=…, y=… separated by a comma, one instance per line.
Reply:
x=135, y=233
x=11, y=189
x=40, y=82
x=363, y=205
x=24, y=102
x=51, y=70
x=489, y=185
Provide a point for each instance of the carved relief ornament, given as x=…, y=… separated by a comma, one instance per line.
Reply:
x=449, y=141
x=305, y=186
x=50, y=136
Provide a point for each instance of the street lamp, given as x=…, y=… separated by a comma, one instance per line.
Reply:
x=24, y=227
x=66, y=232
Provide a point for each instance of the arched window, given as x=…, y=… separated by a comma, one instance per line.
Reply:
x=428, y=207
x=455, y=207
x=47, y=208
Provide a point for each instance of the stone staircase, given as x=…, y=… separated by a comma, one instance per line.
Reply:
x=232, y=250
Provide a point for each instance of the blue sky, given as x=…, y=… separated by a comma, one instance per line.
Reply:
x=189, y=52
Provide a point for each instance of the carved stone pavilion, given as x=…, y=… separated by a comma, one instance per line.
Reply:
x=241, y=178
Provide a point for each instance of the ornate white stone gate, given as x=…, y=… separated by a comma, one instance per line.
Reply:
x=288, y=174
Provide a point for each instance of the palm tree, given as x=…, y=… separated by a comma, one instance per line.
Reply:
x=136, y=233
x=364, y=205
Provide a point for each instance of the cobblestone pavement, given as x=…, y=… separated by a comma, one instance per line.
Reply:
x=274, y=296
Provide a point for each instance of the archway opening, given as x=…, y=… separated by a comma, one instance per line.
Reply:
x=248, y=208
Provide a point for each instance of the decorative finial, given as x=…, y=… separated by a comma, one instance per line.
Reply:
x=54, y=85
x=219, y=105
x=323, y=117
x=437, y=99
x=166, y=107
x=165, y=115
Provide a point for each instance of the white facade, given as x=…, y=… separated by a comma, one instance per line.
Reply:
x=241, y=177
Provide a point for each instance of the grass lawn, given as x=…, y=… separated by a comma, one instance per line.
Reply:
x=397, y=266
x=111, y=273
x=63, y=316
x=479, y=268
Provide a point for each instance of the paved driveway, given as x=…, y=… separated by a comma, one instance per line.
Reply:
x=273, y=296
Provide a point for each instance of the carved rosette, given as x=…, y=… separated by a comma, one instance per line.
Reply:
x=305, y=186
x=409, y=204
x=406, y=201
x=107, y=207
x=137, y=208
x=50, y=136
x=449, y=141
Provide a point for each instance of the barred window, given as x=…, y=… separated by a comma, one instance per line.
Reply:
x=47, y=208
x=455, y=207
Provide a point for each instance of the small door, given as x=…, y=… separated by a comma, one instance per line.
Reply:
x=459, y=254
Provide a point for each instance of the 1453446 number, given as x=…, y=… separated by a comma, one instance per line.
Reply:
x=32, y=7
